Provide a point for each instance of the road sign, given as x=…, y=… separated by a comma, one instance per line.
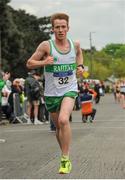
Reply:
x=85, y=74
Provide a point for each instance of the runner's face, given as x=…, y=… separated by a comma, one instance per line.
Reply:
x=60, y=29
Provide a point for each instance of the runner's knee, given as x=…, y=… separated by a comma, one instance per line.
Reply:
x=63, y=120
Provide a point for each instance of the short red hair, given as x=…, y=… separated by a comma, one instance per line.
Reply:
x=59, y=16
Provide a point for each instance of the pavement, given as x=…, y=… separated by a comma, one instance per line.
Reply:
x=97, y=149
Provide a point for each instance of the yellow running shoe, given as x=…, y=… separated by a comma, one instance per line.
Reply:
x=65, y=166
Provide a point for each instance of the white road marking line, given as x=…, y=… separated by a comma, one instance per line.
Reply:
x=2, y=140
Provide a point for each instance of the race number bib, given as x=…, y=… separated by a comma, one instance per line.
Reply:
x=62, y=79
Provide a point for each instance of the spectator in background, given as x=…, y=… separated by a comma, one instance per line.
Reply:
x=4, y=101
x=2, y=83
x=6, y=78
x=32, y=92
x=5, y=94
x=116, y=91
x=122, y=93
x=43, y=114
x=16, y=88
x=52, y=125
x=87, y=104
x=97, y=90
x=102, y=85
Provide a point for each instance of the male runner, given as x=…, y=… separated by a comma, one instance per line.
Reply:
x=61, y=58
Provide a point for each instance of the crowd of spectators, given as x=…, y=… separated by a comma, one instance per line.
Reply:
x=31, y=97
x=29, y=92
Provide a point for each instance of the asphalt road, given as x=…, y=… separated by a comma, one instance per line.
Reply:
x=97, y=150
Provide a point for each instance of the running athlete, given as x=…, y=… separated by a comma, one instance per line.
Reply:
x=62, y=59
x=122, y=92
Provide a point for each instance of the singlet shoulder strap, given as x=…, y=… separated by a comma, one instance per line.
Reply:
x=72, y=44
x=51, y=45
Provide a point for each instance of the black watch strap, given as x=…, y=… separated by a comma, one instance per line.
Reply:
x=81, y=65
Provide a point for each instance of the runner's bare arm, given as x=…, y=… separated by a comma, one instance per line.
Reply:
x=41, y=56
x=79, y=59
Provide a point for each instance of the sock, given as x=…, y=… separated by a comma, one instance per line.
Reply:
x=65, y=156
x=36, y=119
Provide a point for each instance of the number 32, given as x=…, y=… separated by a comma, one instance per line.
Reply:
x=63, y=80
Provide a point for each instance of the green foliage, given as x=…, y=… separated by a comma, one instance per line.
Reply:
x=20, y=35
x=106, y=62
x=100, y=71
x=120, y=53
x=115, y=50
x=118, y=68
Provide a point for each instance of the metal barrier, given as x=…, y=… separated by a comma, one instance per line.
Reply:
x=19, y=110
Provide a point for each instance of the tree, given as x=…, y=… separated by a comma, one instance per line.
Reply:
x=100, y=71
x=112, y=48
x=21, y=34
x=106, y=62
x=120, y=53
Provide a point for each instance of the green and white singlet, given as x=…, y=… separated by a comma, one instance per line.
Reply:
x=60, y=77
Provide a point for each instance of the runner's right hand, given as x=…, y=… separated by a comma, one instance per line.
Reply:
x=49, y=60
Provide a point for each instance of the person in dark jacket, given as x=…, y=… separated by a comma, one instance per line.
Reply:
x=32, y=92
x=97, y=90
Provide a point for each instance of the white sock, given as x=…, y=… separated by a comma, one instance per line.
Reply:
x=36, y=119
x=65, y=156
